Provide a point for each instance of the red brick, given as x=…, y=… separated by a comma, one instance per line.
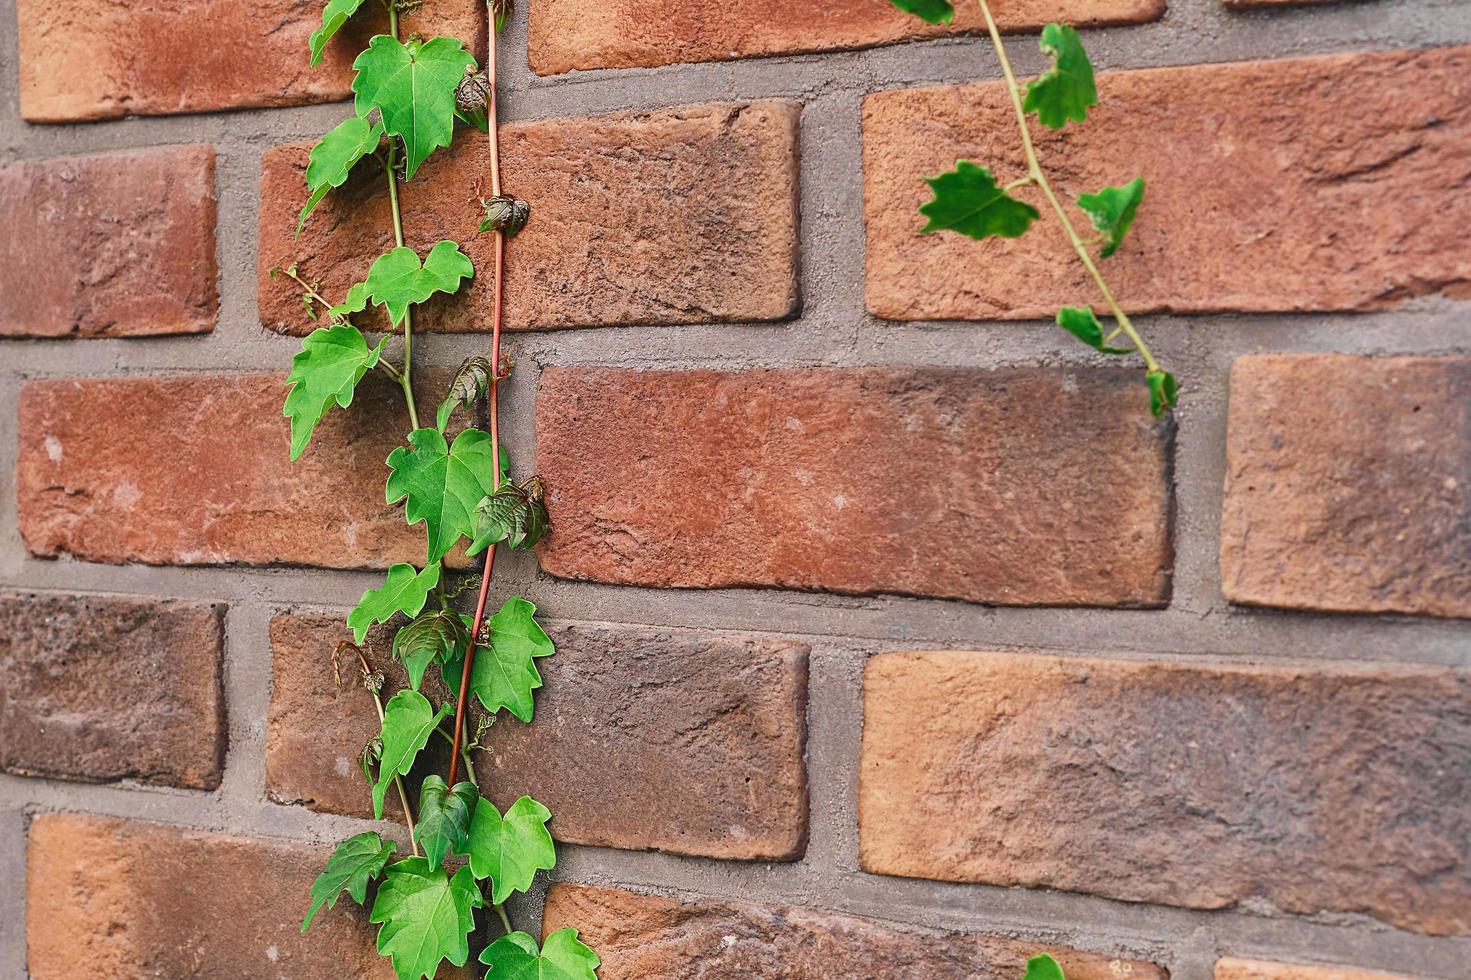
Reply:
x=919, y=481
x=1316, y=184
x=1230, y=968
x=112, y=898
x=195, y=469
x=684, y=215
x=1348, y=484
x=1318, y=790
x=121, y=245
x=95, y=59
x=642, y=936
x=568, y=34
x=100, y=688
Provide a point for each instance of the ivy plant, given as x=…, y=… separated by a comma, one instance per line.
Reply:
x=411, y=96
x=970, y=200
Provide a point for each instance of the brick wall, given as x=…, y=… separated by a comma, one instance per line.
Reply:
x=895, y=639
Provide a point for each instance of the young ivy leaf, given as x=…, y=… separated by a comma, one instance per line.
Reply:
x=426, y=917
x=442, y=483
x=510, y=850
x=471, y=382
x=504, y=673
x=1162, y=392
x=408, y=720
x=397, y=280
x=333, y=158
x=357, y=861
x=1043, y=967
x=562, y=957
x=334, y=15
x=404, y=592
x=1112, y=211
x=1083, y=324
x=432, y=636
x=413, y=86
x=968, y=200
x=517, y=515
x=328, y=368
x=931, y=11
x=1066, y=90
x=444, y=817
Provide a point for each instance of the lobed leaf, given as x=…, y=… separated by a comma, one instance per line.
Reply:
x=442, y=484
x=355, y=862
x=397, y=279
x=432, y=636
x=562, y=957
x=444, y=817
x=517, y=515
x=968, y=200
x=1163, y=392
x=510, y=850
x=504, y=674
x=334, y=15
x=404, y=591
x=1112, y=212
x=1043, y=967
x=931, y=11
x=1066, y=90
x=426, y=917
x=412, y=85
x=408, y=721
x=1082, y=323
x=471, y=382
x=328, y=368
x=333, y=158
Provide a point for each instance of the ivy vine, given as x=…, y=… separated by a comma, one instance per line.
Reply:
x=411, y=96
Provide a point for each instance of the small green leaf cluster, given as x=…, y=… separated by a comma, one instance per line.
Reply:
x=466, y=854
x=969, y=200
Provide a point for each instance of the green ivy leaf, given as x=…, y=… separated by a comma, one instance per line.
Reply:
x=404, y=592
x=968, y=200
x=355, y=302
x=413, y=85
x=471, y=382
x=334, y=15
x=1112, y=211
x=442, y=483
x=931, y=11
x=504, y=673
x=517, y=515
x=357, y=861
x=1162, y=392
x=333, y=158
x=1043, y=967
x=510, y=850
x=397, y=280
x=432, y=636
x=564, y=957
x=1083, y=324
x=1066, y=90
x=444, y=817
x=408, y=721
x=328, y=368
x=426, y=917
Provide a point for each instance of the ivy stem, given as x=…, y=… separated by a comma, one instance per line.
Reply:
x=403, y=796
x=1036, y=176
x=405, y=380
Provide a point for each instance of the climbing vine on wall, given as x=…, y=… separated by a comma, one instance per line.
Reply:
x=411, y=97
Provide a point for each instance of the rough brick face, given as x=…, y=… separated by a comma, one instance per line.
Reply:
x=1315, y=184
x=116, y=898
x=681, y=215
x=1349, y=483
x=643, y=936
x=1318, y=790
x=924, y=481
x=95, y=59
x=568, y=34
x=109, y=246
x=99, y=688
x=196, y=470
x=1230, y=968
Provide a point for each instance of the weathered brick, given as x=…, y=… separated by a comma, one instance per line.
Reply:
x=113, y=898
x=1314, y=789
x=95, y=59
x=919, y=481
x=572, y=34
x=1325, y=183
x=642, y=936
x=683, y=215
x=1348, y=484
x=195, y=469
x=1231, y=968
x=667, y=739
x=100, y=688
x=109, y=246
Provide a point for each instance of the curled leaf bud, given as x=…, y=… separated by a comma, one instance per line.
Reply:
x=473, y=93
x=501, y=10
x=505, y=214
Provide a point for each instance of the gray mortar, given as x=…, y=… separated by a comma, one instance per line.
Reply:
x=834, y=328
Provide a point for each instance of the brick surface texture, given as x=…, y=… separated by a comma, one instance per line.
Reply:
x=100, y=688
x=1317, y=790
x=117, y=245
x=1334, y=185
x=1349, y=484
x=570, y=34
x=710, y=237
x=1231, y=968
x=788, y=478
